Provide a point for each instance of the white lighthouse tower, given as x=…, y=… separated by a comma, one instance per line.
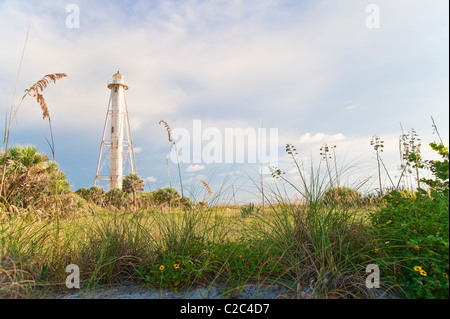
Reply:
x=117, y=151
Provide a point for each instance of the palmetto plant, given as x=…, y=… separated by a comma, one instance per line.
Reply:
x=29, y=176
x=115, y=197
x=22, y=159
x=166, y=196
x=132, y=183
x=93, y=194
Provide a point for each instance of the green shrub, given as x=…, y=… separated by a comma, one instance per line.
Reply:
x=145, y=200
x=341, y=196
x=237, y=262
x=94, y=194
x=248, y=259
x=29, y=177
x=32, y=182
x=166, y=196
x=172, y=270
x=413, y=230
x=202, y=204
x=132, y=183
x=186, y=203
x=116, y=197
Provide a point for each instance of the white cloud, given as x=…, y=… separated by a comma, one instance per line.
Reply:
x=150, y=179
x=194, y=168
x=137, y=150
x=320, y=137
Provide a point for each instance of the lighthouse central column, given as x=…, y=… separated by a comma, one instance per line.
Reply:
x=117, y=87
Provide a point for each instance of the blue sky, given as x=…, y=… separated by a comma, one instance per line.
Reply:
x=312, y=69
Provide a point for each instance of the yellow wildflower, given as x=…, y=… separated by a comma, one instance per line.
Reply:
x=387, y=242
x=416, y=248
x=176, y=266
x=417, y=268
x=161, y=267
x=388, y=222
x=445, y=275
x=355, y=231
x=423, y=273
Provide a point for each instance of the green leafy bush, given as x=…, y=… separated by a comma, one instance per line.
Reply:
x=173, y=271
x=166, y=196
x=116, y=197
x=235, y=261
x=341, y=196
x=32, y=182
x=413, y=230
x=132, y=183
x=186, y=203
x=94, y=194
x=29, y=175
x=247, y=259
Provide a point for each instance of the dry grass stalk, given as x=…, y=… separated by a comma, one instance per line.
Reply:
x=208, y=189
x=169, y=134
x=13, y=281
x=40, y=85
x=169, y=131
